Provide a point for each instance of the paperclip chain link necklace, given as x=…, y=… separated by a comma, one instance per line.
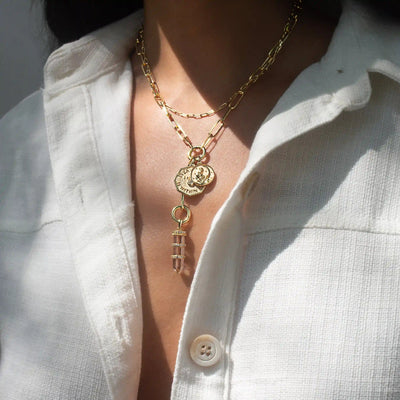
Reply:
x=192, y=179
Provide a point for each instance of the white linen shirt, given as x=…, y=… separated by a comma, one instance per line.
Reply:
x=298, y=280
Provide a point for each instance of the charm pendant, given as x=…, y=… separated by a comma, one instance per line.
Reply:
x=190, y=181
x=202, y=175
x=193, y=179
x=184, y=183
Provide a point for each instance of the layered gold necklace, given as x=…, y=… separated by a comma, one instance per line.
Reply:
x=192, y=179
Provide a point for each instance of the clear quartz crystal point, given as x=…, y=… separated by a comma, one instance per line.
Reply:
x=178, y=250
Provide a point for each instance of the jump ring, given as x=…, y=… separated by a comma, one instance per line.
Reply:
x=196, y=148
x=181, y=221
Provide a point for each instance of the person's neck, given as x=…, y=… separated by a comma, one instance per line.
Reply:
x=209, y=47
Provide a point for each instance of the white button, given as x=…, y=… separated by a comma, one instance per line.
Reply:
x=249, y=184
x=205, y=350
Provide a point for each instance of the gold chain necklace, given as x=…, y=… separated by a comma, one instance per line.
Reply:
x=192, y=179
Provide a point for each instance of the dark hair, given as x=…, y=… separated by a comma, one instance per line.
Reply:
x=71, y=19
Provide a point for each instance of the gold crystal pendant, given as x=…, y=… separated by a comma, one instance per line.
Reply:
x=179, y=237
x=178, y=250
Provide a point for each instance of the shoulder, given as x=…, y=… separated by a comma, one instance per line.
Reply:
x=22, y=135
x=26, y=116
x=26, y=192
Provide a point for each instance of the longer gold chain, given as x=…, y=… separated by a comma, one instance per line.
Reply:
x=236, y=97
x=191, y=180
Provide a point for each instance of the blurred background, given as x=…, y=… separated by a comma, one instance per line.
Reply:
x=24, y=47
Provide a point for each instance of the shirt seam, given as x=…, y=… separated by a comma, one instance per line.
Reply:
x=107, y=361
x=34, y=230
x=321, y=227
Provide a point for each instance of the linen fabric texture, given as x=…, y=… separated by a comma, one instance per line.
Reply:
x=298, y=279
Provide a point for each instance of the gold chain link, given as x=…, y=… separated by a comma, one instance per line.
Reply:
x=233, y=101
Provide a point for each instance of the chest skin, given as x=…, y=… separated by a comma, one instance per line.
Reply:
x=157, y=154
x=164, y=293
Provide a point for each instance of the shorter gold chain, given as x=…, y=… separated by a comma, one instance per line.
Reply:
x=147, y=71
x=233, y=101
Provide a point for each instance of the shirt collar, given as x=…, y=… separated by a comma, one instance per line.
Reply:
x=93, y=55
x=361, y=43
